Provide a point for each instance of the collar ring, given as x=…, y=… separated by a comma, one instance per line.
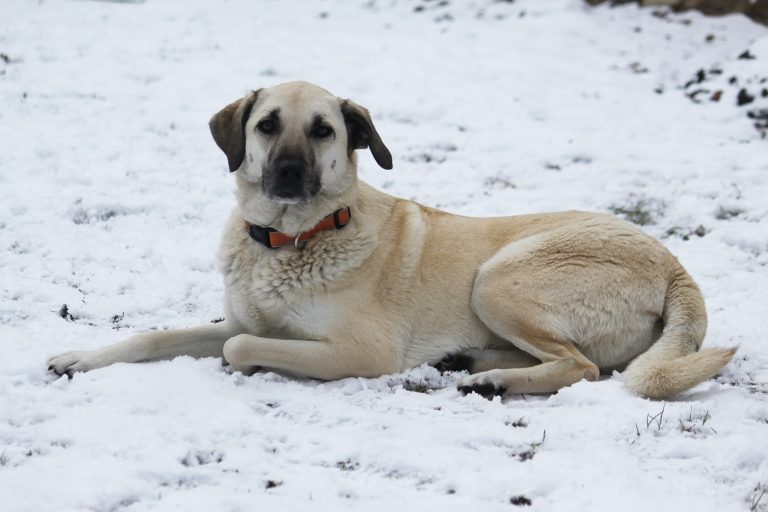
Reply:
x=299, y=244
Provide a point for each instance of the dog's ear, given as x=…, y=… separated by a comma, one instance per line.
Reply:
x=228, y=129
x=363, y=134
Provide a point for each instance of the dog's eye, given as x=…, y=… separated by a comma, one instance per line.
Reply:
x=266, y=126
x=322, y=131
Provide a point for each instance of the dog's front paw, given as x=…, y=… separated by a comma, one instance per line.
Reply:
x=485, y=384
x=70, y=362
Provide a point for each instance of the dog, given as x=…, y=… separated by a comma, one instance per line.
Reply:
x=326, y=277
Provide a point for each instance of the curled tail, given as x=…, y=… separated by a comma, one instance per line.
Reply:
x=674, y=362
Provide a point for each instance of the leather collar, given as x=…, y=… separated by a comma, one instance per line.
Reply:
x=274, y=239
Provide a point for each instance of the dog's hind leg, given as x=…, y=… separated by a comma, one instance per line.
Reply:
x=533, y=319
x=561, y=365
x=477, y=360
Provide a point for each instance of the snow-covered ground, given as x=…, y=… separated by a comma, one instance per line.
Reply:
x=113, y=195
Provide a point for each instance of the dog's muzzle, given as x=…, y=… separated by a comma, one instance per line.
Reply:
x=290, y=179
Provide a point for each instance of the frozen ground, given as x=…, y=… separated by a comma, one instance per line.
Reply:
x=113, y=197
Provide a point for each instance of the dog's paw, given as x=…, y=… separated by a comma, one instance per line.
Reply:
x=485, y=390
x=454, y=363
x=485, y=384
x=246, y=370
x=69, y=363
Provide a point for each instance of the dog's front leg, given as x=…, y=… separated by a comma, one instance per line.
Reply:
x=202, y=341
x=316, y=359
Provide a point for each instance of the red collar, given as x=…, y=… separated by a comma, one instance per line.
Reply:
x=274, y=239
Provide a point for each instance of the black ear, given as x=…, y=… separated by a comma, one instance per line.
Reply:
x=362, y=133
x=228, y=129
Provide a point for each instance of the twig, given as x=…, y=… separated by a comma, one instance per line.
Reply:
x=757, y=497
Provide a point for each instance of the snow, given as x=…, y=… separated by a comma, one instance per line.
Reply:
x=114, y=196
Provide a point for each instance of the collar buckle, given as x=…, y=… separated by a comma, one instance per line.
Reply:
x=261, y=234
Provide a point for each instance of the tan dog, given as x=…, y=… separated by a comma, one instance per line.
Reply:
x=359, y=283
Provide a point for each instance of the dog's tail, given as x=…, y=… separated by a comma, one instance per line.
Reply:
x=674, y=362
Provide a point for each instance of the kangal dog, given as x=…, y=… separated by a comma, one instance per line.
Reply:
x=326, y=277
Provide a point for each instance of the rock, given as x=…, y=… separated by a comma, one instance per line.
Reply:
x=744, y=98
x=713, y=7
x=759, y=11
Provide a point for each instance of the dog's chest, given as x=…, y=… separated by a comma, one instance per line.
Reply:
x=286, y=291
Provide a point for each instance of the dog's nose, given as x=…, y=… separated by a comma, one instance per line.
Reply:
x=290, y=168
x=289, y=174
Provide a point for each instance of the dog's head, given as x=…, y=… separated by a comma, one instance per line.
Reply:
x=294, y=141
